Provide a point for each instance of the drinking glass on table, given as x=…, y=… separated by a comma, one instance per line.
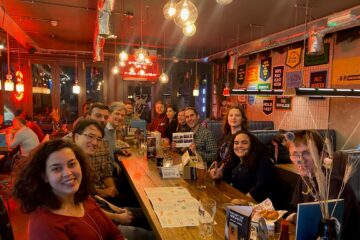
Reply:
x=207, y=210
x=201, y=171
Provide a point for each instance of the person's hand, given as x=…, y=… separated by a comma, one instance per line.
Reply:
x=124, y=218
x=107, y=192
x=292, y=218
x=217, y=172
x=192, y=147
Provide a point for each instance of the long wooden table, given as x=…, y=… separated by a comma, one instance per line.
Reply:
x=143, y=173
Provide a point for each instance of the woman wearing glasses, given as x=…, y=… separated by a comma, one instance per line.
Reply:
x=248, y=168
x=300, y=155
x=55, y=190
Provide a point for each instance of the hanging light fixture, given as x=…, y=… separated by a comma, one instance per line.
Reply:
x=115, y=69
x=189, y=30
x=186, y=13
x=196, y=90
x=141, y=55
x=9, y=84
x=76, y=86
x=169, y=10
x=123, y=56
x=224, y=2
x=164, y=78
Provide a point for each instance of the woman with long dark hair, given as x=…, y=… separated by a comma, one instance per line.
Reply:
x=55, y=190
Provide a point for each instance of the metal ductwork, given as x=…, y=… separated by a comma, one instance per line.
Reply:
x=320, y=27
x=102, y=28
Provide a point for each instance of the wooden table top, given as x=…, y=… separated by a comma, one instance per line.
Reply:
x=143, y=173
x=290, y=167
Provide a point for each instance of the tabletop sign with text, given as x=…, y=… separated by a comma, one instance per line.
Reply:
x=170, y=172
x=283, y=102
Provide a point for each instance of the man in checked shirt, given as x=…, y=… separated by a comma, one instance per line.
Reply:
x=204, y=142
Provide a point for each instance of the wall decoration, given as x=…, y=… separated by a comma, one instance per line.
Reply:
x=264, y=86
x=278, y=74
x=293, y=57
x=318, y=79
x=313, y=60
x=252, y=73
x=268, y=106
x=283, y=102
x=293, y=79
x=345, y=71
x=252, y=98
x=241, y=73
x=265, y=69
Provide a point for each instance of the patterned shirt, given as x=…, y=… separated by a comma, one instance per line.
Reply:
x=205, y=143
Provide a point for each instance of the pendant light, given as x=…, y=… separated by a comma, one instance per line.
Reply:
x=76, y=86
x=196, y=90
x=186, y=13
x=19, y=79
x=141, y=55
x=115, y=69
x=164, y=78
x=169, y=10
x=9, y=84
x=224, y=2
x=189, y=30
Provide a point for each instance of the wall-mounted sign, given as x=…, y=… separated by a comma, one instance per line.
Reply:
x=345, y=71
x=251, y=98
x=241, y=73
x=134, y=71
x=293, y=57
x=278, y=75
x=265, y=69
x=252, y=73
x=282, y=102
x=313, y=60
x=293, y=79
x=268, y=106
x=318, y=79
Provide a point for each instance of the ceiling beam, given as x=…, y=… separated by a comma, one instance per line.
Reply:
x=14, y=30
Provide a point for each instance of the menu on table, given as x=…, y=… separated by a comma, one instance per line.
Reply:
x=174, y=206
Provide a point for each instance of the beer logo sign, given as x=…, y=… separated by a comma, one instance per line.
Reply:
x=293, y=57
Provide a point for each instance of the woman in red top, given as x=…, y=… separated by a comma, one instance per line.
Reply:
x=55, y=189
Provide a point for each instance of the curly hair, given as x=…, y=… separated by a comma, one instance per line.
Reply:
x=243, y=124
x=257, y=150
x=33, y=192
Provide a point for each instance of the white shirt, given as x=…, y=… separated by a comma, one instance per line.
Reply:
x=26, y=139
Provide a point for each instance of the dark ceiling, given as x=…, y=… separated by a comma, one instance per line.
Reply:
x=218, y=27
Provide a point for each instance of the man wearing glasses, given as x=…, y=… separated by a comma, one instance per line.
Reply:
x=99, y=160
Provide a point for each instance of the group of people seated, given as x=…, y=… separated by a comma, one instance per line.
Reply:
x=73, y=187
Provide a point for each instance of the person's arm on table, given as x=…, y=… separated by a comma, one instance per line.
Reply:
x=110, y=190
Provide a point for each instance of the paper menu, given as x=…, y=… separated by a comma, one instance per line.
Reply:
x=174, y=206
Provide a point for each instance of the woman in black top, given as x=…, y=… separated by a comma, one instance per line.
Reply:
x=172, y=122
x=248, y=168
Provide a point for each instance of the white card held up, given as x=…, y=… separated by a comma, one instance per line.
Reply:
x=183, y=139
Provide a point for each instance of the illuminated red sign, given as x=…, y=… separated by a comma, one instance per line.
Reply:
x=133, y=69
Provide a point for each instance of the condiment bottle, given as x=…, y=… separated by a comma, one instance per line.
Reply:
x=284, y=235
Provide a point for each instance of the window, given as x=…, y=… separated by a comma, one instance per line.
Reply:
x=68, y=100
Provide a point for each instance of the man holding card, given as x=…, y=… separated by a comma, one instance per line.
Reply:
x=204, y=142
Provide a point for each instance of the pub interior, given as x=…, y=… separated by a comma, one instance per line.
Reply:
x=179, y=119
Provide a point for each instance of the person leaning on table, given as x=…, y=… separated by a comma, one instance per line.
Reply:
x=248, y=168
x=55, y=190
x=300, y=156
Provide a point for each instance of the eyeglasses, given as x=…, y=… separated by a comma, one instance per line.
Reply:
x=298, y=156
x=92, y=137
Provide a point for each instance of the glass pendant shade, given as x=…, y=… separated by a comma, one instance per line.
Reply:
x=164, y=78
x=224, y=2
x=186, y=13
x=196, y=92
x=169, y=10
x=141, y=55
x=9, y=85
x=76, y=88
x=189, y=30
x=123, y=56
x=20, y=87
x=115, y=70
